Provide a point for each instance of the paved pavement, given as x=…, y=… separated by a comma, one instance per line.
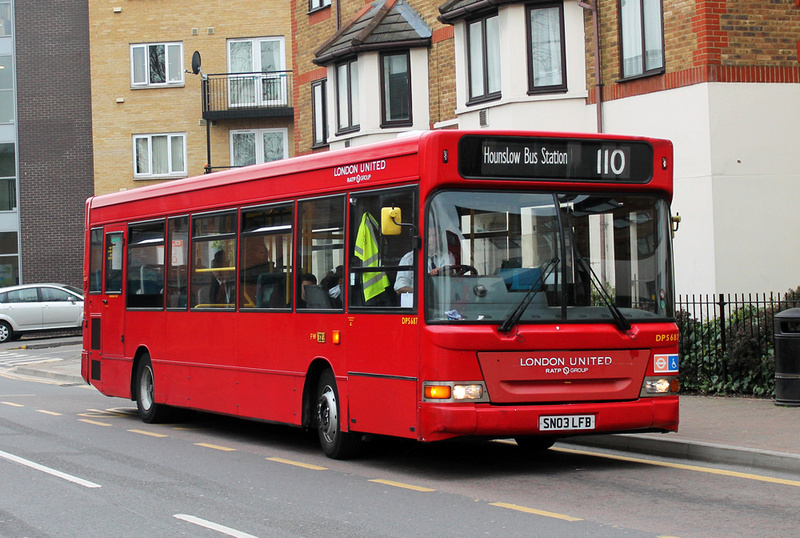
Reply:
x=738, y=431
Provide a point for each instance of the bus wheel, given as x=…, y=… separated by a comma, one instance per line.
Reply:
x=149, y=411
x=535, y=444
x=6, y=332
x=335, y=443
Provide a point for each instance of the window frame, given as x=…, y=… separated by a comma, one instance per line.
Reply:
x=319, y=116
x=641, y=40
x=317, y=5
x=561, y=87
x=307, y=250
x=169, y=164
x=259, y=143
x=198, y=264
x=384, y=197
x=353, y=120
x=286, y=233
x=386, y=99
x=486, y=95
x=168, y=70
x=133, y=247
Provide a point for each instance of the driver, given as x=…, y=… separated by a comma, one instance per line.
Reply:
x=438, y=257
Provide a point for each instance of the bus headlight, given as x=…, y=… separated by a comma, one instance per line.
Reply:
x=450, y=391
x=654, y=386
x=467, y=392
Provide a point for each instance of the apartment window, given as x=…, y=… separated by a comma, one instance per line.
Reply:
x=159, y=155
x=483, y=51
x=256, y=146
x=5, y=19
x=396, y=89
x=258, y=72
x=6, y=90
x=319, y=112
x=642, y=37
x=546, y=51
x=156, y=64
x=314, y=5
x=9, y=259
x=347, y=96
x=8, y=177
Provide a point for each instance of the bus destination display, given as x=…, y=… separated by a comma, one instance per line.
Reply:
x=555, y=159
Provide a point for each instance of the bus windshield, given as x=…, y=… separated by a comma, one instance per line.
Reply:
x=545, y=257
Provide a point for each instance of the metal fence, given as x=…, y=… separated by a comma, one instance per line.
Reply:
x=727, y=341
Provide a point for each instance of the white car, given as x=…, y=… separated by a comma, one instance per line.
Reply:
x=39, y=307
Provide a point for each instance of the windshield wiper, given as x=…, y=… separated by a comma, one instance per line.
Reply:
x=515, y=316
x=619, y=318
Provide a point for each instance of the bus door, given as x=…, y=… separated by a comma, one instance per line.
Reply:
x=111, y=371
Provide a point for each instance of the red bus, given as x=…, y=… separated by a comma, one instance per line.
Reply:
x=485, y=284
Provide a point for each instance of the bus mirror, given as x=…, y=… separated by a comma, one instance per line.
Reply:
x=390, y=220
x=676, y=223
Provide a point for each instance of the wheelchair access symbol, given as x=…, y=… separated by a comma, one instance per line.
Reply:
x=665, y=364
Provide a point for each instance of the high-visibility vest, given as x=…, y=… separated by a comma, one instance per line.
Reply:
x=367, y=251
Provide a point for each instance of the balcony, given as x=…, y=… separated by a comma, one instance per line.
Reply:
x=247, y=95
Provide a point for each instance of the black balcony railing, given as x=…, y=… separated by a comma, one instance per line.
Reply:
x=247, y=95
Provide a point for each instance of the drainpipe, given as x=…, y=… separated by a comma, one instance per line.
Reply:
x=598, y=75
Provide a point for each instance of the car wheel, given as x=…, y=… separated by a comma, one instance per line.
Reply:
x=6, y=332
x=149, y=411
x=335, y=443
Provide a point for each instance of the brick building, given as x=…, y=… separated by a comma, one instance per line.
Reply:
x=45, y=140
x=718, y=78
x=155, y=119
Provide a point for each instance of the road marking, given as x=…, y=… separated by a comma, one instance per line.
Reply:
x=212, y=526
x=299, y=464
x=48, y=470
x=527, y=510
x=697, y=468
x=46, y=412
x=87, y=421
x=402, y=485
x=151, y=434
x=216, y=447
x=12, y=404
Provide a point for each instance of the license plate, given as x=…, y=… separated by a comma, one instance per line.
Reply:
x=566, y=423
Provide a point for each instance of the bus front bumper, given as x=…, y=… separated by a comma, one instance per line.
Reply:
x=443, y=421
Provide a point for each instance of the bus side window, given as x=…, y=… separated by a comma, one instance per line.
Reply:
x=146, y=265
x=382, y=266
x=213, y=280
x=95, y=275
x=178, y=263
x=114, y=254
x=265, y=276
x=320, y=253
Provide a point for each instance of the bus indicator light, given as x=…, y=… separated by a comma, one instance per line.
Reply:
x=336, y=337
x=438, y=392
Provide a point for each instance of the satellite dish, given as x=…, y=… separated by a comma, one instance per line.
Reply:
x=196, y=62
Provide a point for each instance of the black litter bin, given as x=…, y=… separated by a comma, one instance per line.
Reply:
x=787, y=357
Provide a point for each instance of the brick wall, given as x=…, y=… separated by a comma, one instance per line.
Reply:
x=203, y=27
x=706, y=41
x=55, y=136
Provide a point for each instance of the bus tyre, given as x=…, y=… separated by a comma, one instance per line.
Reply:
x=335, y=443
x=535, y=444
x=6, y=332
x=149, y=411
